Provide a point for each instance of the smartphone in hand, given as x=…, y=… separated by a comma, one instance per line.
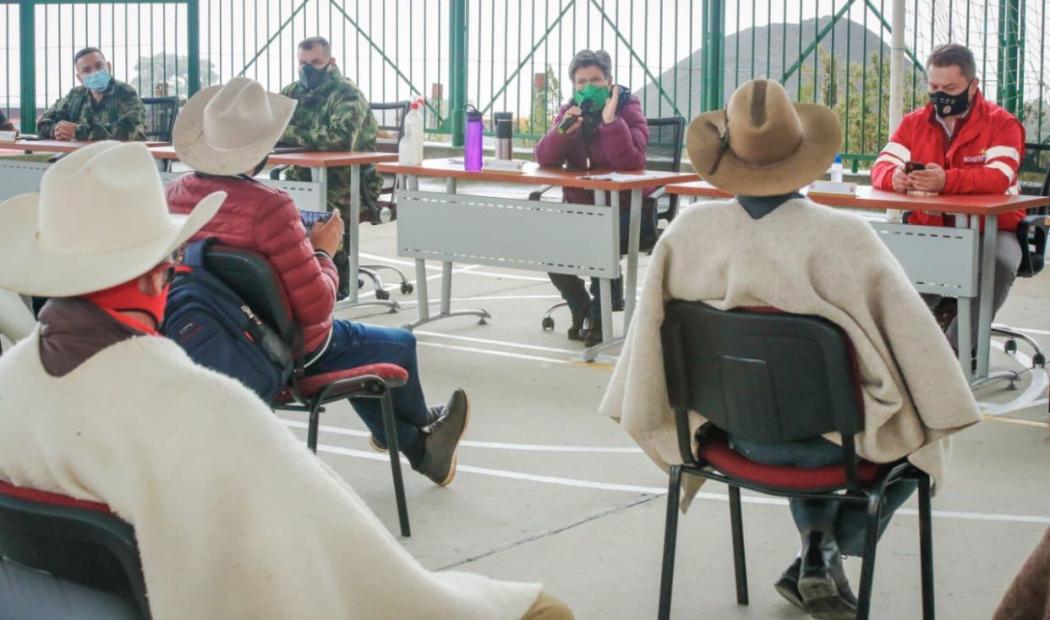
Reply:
x=913, y=166
x=310, y=218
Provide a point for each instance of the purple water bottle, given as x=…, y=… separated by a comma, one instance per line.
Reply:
x=472, y=157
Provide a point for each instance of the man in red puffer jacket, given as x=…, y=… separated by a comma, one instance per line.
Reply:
x=969, y=145
x=225, y=134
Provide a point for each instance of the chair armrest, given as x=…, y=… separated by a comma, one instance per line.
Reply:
x=275, y=172
x=536, y=195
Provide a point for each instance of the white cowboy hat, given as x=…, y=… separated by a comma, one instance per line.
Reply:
x=229, y=129
x=762, y=144
x=100, y=219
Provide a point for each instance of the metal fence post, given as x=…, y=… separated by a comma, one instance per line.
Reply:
x=713, y=55
x=457, y=69
x=1009, y=26
x=27, y=39
x=193, y=33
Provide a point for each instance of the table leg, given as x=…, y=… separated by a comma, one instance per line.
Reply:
x=351, y=239
x=634, y=233
x=984, y=324
x=964, y=318
x=446, y=283
x=605, y=286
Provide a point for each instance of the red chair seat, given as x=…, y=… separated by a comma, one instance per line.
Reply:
x=392, y=374
x=716, y=451
x=52, y=499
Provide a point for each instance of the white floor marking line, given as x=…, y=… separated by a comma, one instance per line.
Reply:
x=632, y=488
x=503, y=343
x=491, y=445
x=533, y=358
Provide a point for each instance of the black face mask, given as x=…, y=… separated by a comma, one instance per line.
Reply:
x=311, y=77
x=951, y=105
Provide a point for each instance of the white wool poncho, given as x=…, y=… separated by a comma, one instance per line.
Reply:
x=234, y=517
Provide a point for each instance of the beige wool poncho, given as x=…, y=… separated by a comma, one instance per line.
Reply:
x=803, y=259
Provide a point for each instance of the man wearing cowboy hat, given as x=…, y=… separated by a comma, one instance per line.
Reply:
x=94, y=406
x=101, y=108
x=225, y=133
x=771, y=247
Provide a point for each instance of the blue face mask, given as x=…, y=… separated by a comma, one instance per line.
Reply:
x=98, y=81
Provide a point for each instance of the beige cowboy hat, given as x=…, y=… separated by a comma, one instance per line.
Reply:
x=229, y=129
x=762, y=144
x=99, y=220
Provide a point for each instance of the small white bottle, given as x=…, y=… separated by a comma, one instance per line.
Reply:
x=410, y=148
x=836, y=169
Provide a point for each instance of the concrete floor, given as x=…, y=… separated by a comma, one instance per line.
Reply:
x=549, y=491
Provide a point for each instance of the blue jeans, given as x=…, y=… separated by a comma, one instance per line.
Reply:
x=846, y=519
x=357, y=344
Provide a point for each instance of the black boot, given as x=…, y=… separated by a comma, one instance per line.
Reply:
x=593, y=337
x=822, y=579
x=579, y=316
x=787, y=585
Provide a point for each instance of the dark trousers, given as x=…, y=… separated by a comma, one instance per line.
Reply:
x=573, y=289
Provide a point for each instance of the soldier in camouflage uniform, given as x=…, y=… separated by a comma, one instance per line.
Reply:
x=101, y=109
x=333, y=115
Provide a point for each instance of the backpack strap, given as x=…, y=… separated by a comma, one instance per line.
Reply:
x=194, y=257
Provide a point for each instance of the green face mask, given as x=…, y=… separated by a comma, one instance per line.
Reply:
x=597, y=95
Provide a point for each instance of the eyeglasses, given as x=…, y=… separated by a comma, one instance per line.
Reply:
x=173, y=263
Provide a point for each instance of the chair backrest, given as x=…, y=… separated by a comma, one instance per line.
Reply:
x=76, y=540
x=666, y=142
x=160, y=117
x=390, y=117
x=761, y=375
x=252, y=277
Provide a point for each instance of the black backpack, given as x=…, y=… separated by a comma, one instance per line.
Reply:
x=219, y=331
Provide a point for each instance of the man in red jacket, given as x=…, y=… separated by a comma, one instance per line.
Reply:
x=967, y=145
x=225, y=134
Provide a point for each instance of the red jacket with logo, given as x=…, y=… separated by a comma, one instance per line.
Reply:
x=264, y=219
x=982, y=158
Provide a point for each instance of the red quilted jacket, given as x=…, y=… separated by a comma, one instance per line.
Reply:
x=264, y=219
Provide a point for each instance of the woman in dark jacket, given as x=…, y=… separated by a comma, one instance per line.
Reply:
x=614, y=140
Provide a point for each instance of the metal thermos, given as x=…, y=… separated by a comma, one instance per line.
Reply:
x=504, y=134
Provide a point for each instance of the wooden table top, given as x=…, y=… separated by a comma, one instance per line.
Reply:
x=56, y=146
x=868, y=197
x=307, y=159
x=533, y=174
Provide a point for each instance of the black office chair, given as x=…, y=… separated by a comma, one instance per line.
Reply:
x=251, y=277
x=390, y=118
x=161, y=113
x=1032, y=235
x=74, y=540
x=664, y=152
x=769, y=377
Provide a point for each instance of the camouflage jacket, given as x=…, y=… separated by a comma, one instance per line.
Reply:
x=119, y=115
x=334, y=117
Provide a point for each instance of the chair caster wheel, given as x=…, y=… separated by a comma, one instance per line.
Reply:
x=1011, y=346
x=1039, y=360
x=382, y=294
x=548, y=324
x=407, y=288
